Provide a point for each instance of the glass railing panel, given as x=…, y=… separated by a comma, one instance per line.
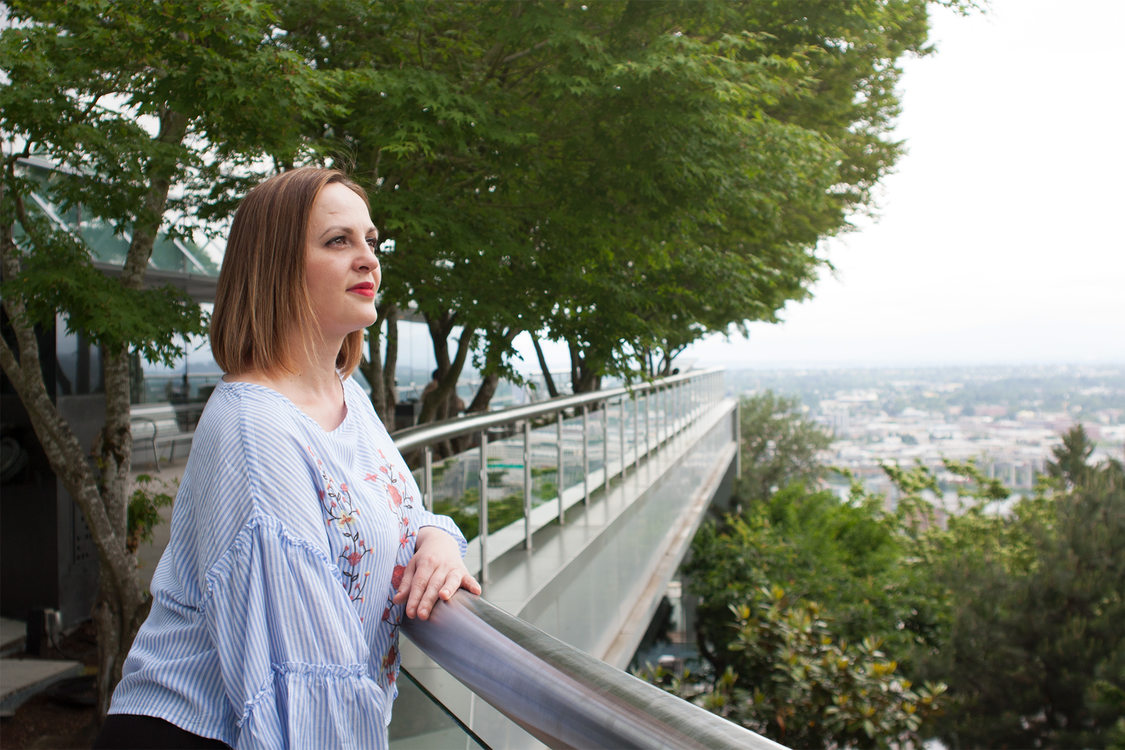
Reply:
x=574, y=473
x=420, y=722
x=456, y=490
x=561, y=695
x=619, y=433
x=505, y=477
x=596, y=436
x=544, y=456
x=613, y=434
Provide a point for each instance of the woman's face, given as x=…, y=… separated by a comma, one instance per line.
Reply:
x=341, y=266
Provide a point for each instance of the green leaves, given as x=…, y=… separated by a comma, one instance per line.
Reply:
x=58, y=278
x=779, y=446
x=624, y=177
x=143, y=511
x=1034, y=650
x=792, y=680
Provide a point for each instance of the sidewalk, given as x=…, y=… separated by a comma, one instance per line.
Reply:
x=20, y=677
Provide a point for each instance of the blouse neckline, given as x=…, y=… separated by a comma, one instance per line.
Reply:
x=337, y=430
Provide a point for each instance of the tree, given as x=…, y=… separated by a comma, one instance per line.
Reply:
x=778, y=446
x=786, y=108
x=621, y=176
x=430, y=155
x=1007, y=610
x=1034, y=648
x=1071, y=459
x=805, y=615
x=844, y=556
x=151, y=115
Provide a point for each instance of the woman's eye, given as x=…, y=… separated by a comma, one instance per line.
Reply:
x=373, y=243
x=341, y=240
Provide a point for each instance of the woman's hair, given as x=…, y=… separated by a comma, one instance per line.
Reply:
x=262, y=295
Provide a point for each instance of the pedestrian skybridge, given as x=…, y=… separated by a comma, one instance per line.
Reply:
x=579, y=510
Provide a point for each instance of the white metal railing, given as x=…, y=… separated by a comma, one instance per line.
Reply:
x=662, y=408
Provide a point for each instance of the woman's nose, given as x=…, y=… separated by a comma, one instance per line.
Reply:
x=368, y=260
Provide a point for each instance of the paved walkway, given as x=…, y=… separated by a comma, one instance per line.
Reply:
x=22, y=677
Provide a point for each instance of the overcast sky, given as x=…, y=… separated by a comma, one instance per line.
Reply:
x=999, y=237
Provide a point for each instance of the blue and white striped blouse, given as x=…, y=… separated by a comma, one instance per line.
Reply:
x=272, y=624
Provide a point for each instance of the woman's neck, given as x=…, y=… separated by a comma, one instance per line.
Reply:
x=313, y=385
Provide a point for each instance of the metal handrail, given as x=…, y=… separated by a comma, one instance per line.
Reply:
x=679, y=410
x=412, y=438
x=562, y=696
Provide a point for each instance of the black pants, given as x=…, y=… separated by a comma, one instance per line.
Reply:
x=129, y=732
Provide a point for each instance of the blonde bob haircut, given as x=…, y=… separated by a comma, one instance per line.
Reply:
x=262, y=295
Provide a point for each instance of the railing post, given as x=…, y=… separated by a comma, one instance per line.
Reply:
x=483, y=516
x=636, y=431
x=738, y=439
x=688, y=402
x=527, y=484
x=667, y=414
x=559, y=483
x=676, y=409
x=648, y=424
x=605, y=445
x=621, y=436
x=669, y=410
x=679, y=406
x=428, y=478
x=663, y=432
x=692, y=399
x=586, y=455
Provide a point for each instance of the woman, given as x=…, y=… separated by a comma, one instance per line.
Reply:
x=298, y=537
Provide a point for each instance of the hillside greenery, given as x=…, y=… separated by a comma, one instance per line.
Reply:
x=828, y=622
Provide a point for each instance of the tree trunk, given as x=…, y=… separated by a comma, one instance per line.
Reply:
x=552, y=391
x=390, y=362
x=380, y=371
x=122, y=601
x=584, y=378
x=438, y=403
x=498, y=344
x=484, y=393
x=117, y=618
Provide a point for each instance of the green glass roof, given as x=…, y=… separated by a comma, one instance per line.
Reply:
x=170, y=255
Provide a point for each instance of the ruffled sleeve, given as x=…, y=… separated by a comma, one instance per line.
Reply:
x=292, y=656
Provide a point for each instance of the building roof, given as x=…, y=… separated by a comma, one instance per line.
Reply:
x=175, y=260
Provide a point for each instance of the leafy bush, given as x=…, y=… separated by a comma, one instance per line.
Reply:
x=792, y=680
x=143, y=513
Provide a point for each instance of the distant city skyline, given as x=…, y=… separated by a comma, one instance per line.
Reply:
x=997, y=238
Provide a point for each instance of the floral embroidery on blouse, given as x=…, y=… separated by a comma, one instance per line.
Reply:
x=340, y=512
x=399, y=501
x=342, y=515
